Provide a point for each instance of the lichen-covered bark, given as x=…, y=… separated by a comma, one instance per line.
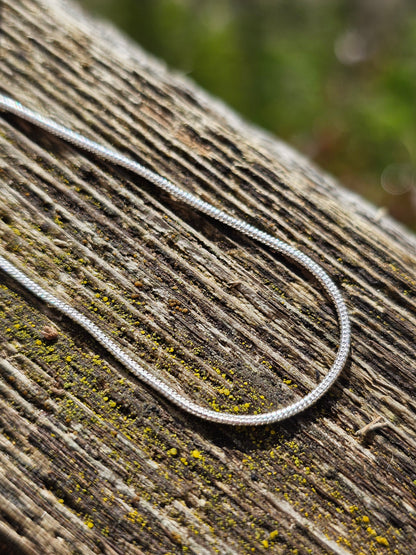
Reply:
x=91, y=461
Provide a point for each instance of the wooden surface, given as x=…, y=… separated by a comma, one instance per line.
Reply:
x=91, y=461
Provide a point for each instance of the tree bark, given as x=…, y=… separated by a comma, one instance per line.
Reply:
x=92, y=461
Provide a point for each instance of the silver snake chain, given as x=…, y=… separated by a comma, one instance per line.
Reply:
x=12, y=106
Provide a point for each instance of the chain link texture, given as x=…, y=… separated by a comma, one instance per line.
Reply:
x=83, y=143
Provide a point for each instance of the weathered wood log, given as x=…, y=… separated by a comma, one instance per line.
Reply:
x=91, y=461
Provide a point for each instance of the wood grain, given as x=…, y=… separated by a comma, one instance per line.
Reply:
x=91, y=461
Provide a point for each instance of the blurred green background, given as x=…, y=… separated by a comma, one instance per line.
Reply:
x=335, y=79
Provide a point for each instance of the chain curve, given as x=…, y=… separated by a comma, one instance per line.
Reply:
x=12, y=106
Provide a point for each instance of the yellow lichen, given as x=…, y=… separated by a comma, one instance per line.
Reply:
x=382, y=541
x=273, y=534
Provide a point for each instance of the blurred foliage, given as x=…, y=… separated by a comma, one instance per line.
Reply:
x=336, y=79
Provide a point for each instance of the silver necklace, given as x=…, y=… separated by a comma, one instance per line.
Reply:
x=12, y=106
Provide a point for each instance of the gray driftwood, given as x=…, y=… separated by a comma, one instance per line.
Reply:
x=91, y=461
